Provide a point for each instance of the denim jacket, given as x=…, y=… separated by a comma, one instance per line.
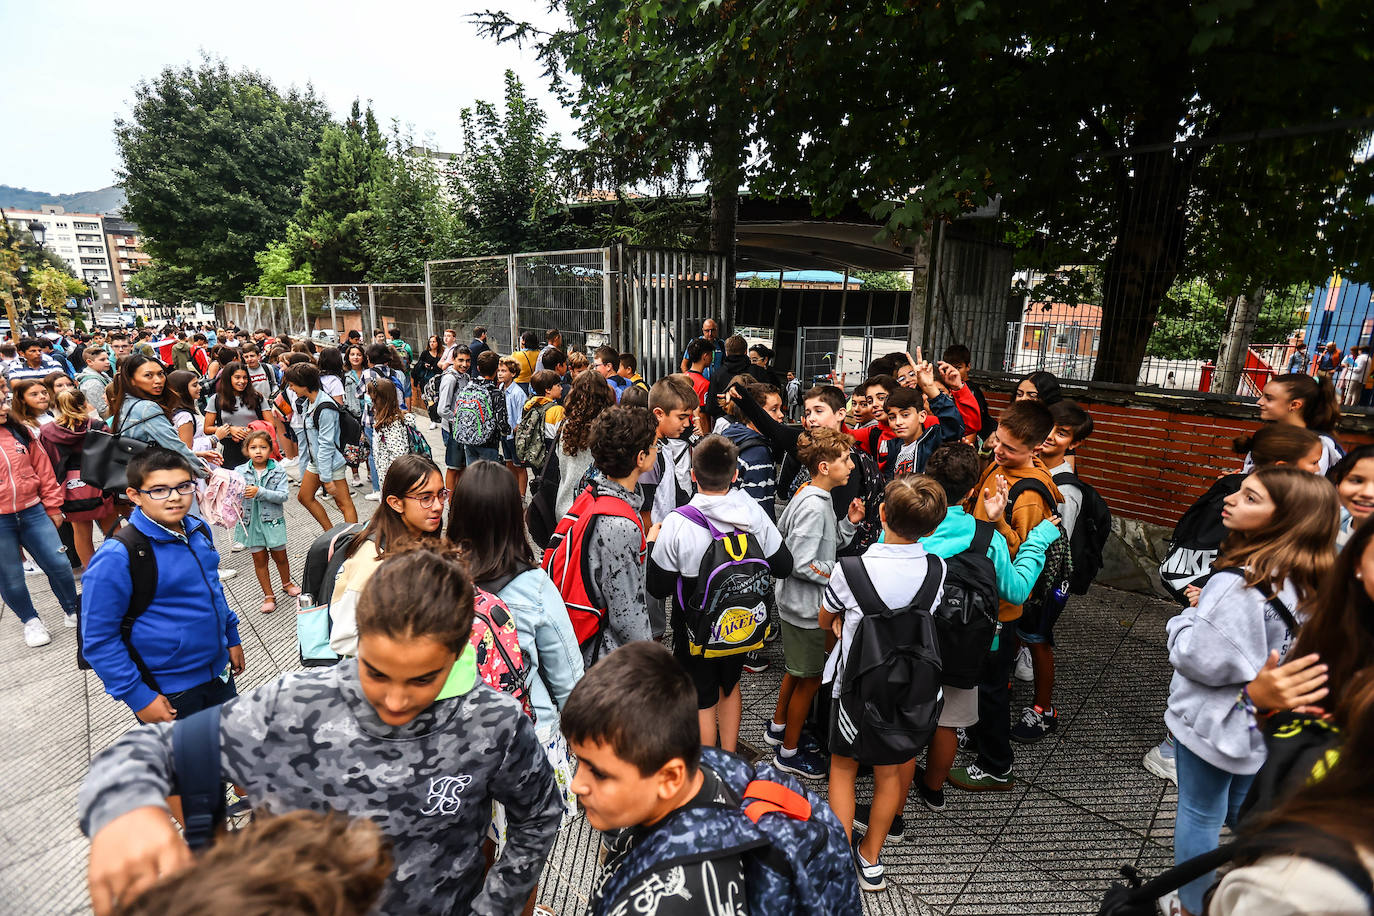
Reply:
x=546, y=639
x=322, y=442
x=273, y=489
x=146, y=421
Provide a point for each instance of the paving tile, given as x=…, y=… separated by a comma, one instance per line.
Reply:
x=52, y=881
x=43, y=821
x=1004, y=883
x=1069, y=843
x=1115, y=787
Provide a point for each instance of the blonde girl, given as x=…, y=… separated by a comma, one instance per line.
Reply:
x=1282, y=543
x=63, y=440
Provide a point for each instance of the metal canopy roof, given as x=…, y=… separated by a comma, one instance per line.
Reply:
x=769, y=245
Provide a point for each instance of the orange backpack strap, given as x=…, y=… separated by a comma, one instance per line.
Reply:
x=765, y=797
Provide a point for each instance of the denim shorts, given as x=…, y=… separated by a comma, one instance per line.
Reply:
x=475, y=453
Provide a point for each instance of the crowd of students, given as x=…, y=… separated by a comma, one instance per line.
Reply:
x=912, y=549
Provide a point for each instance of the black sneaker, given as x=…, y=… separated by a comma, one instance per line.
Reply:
x=772, y=633
x=895, y=833
x=934, y=798
x=754, y=662
x=1035, y=724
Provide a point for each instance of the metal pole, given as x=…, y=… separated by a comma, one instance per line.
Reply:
x=372, y=308
x=615, y=328
x=333, y=313
x=429, y=307
x=512, y=293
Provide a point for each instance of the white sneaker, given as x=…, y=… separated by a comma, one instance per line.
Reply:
x=237, y=548
x=1169, y=904
x=31, y=570
x=1025, y=671
x=373, y=497
x=69, y=621
x=225, y=574
x=1161, y=766
x=35, y=633
x=433, y=425
x=287, y=463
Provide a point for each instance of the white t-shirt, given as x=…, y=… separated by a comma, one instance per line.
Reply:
x=682, y=543
x=671, y=476
x=258, y=379
x=332, y=385
x=1073, y=499
x=898, y=571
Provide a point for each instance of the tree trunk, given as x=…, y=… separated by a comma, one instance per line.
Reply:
x=922, y=287
x=726, y=171
x=1241, y=316
x=1150, y=223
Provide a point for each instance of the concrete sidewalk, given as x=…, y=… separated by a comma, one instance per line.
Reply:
x=1081, y=808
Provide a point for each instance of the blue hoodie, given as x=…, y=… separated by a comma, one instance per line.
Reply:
x=1015, y=577
x=183, y=637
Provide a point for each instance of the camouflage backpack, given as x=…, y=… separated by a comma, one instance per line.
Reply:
x=531, y=446
x=796, y=855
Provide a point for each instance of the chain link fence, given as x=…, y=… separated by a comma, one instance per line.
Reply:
x=465, y=293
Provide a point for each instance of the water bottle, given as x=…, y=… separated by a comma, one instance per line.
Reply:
x=305, y=602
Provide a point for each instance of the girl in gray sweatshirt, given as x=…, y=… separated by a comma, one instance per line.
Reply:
x=1283, y=524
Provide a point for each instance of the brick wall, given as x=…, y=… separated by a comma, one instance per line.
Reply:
x=1151, y=462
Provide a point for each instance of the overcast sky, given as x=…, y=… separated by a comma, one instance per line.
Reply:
x=70, y=68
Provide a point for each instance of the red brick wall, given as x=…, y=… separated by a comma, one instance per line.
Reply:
x=1151, y=464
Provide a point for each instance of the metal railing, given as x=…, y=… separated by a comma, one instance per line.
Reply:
x=842, y=352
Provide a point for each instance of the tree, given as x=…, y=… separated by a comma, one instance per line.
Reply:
x=12, y=293
x=277, y=272
x=510, y=180
x=882, y=279
x=329, y=231
x=1193, y=317
x=922, y=110
x=412, y=219
x=213, y=166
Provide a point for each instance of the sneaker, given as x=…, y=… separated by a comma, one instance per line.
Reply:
x=934, y=799
x=803, y=763
x=433, y=425
x=1162, y=766
x=31, y=570
x=288, y=463
x=35, y=633
x=870, y=876
x=1024, y=671
x=237, y=548
x=226, y=574
x=1170, y=905
x=974, y=779
x=373, y=497
x=1035, y=724
x=772, y=633
x=895, y=831
x=754, y=662
x=70, y=621
x=772, y=734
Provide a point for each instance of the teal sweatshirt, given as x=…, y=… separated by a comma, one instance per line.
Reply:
x=1015, y=578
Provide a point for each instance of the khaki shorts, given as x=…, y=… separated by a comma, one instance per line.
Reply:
x=961, y=707
x=803, y=650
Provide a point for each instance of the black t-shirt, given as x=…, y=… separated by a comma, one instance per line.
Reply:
x=714, y=887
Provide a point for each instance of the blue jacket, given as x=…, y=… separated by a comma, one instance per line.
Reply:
x=547, y=640
x=146, y=421
x=183, y=637
x=322, y=444
x=273, y=489
x=757, y=473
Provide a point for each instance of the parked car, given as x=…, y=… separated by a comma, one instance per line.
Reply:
x=327, y=336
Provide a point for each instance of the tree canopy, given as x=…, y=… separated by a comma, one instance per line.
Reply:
x=213, y=163
x=413, y=220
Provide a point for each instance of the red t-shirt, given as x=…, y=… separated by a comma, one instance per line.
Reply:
x=700, y=384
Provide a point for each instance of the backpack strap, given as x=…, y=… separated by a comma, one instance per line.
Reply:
x=1036, y=487
x=196, y=758
x=982, y=537
x=764, y=796
x=143, y=577
x=860, y=585
x=1067, y=477
x=698, y=518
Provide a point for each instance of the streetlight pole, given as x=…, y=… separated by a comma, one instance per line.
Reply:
x=40, y=237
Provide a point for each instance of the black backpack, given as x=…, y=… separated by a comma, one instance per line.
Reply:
x=1140, y=898
x=1089, y=533
x=1051, y=589
x=966, y=618
x=350, y=427
x=890, y=696
x=1196, y=540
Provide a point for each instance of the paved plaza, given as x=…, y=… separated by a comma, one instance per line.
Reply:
x=1082, y=805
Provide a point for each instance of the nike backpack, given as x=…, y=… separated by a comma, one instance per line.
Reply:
x=1196, y=539
x=727, y=612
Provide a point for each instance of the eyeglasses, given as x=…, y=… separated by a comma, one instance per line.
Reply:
x=186, y=488
x=427, y=500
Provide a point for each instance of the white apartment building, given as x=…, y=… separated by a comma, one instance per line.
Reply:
x=78, y=238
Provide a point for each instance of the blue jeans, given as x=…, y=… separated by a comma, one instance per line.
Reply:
x=1207, y=798
x=371, y=462
x=32, y=530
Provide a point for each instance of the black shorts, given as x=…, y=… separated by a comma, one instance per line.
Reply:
x=193, y=699
x=1037, y=620
x=712, y=677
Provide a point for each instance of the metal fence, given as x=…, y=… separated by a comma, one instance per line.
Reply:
x=840, y=354
x=364, y=307
x=664, y=296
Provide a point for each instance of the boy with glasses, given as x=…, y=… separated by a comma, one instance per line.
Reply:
x=180, y=650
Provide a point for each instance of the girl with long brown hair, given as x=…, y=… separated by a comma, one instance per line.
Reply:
x=390, y=439
x=1300, y=400
x=31, y=404
x=1283, y=525
x=589, y=396
x=412, y=509
x=64, y=440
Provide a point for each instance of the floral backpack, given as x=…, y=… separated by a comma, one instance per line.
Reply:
x=500, y=663
x=221, y=498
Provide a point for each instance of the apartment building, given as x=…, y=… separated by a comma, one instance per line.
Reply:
x=126, y=256
x=77, y=238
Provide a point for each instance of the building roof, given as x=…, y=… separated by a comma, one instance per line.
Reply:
x=800, y=276
x=1082, y=315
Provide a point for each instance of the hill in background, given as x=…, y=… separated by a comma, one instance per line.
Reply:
x=109, y=200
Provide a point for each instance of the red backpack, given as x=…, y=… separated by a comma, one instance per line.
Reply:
x=500, y=663
x=565, y=560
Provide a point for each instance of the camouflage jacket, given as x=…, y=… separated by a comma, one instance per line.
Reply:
x=311, y=740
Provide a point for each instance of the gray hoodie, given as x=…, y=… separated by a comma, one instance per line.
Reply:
x=1216, y=649
x=808, y=527
x=310, y=739
x=615, y=558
